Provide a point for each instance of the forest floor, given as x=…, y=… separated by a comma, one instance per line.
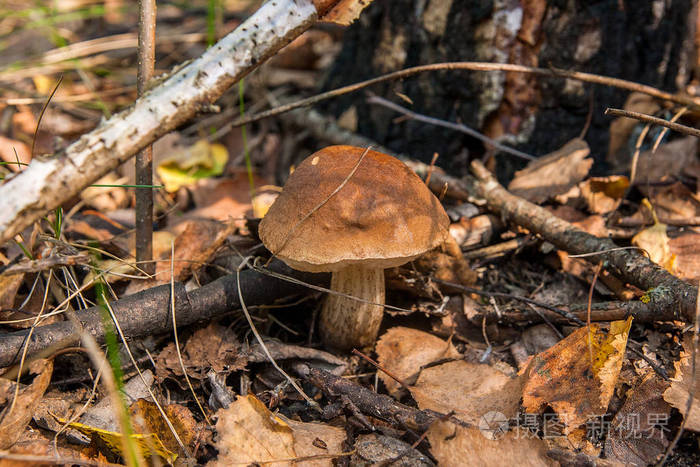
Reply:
x=510, y=343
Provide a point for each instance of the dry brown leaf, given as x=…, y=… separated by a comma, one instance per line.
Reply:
x=11, y=151
x=686, y=249
x=106, y=199
x=314, y=439
x=654, y=240
x=13, y=422
x=553, y=174
x=343, y=12
x=404, y=351
x=195, y=243
x=677, y=394
x=599, y=195
x=470, y=390
x=223, y=199
x=455, y=445
x=670, y=160
x=633, y=438
x=9, y=285
x=575, y=379
x=247, y=432
x=212, y=348
x=376, y=449
x=147, y=419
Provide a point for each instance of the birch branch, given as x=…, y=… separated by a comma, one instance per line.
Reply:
x=50, y=181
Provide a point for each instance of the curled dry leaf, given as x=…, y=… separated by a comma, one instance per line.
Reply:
x=404, y=351
x=677, y=394
x=247, y=432
x=634, y=438
x=15, y=418
x=212, y=348
x=654, y=240
x=599, y=195
x=470, y=390
x=376, y=449
x=553, y=174
x=146, y=419
x=685, y=248
x=455, y=445
x=577, y=376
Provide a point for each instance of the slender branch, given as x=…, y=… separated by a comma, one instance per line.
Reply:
x=667, y=296
x=693, y=102
x=374, y=99
x=686, y=130
x=144, y=159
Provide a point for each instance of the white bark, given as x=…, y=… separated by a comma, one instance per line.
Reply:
x=48, y=182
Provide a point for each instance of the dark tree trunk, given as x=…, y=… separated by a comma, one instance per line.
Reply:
x=647, y=41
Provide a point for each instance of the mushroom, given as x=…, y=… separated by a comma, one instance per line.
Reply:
x=353, y=212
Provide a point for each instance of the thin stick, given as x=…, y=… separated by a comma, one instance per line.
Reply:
x=374, y=99
x=177, y=341
x=41, y=114
x=588, y=309
x=379, y=367
x=475, y=66
x=144, y=159
x=686, y=130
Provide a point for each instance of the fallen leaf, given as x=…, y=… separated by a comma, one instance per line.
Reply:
x=553, y=174
x=343, y=12
x=195, y=244
x=247, y=432
x=654, y=240
x=147, y=444
x=15, y=418
x=214, y=347
x=404, y=351
x=470, y=390
x=456, y=445
x=106, y=199
x=599, y=195
x=669, y=160
x=634, y=438
x=201, y=160
x=577, y=376
x=9, y=285
x=223, y=199
x=12, y=151
x=621, y=128
x=677, y=395
x=376, y=449
x=686, y=249
x=146, y=419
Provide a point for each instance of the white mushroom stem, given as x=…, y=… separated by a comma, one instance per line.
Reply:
x=346, y=323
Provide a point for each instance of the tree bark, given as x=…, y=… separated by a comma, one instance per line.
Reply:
x=645, y=41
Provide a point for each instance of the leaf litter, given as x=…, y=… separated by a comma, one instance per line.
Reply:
x=459, y=355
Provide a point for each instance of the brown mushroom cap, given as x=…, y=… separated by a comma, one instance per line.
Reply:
x=382, y=217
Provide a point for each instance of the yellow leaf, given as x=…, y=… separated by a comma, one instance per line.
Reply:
x=146, y=443
x=201, y=160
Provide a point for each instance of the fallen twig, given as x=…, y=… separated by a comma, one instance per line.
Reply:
x=686, y=130
x=667, y=297
x=148, y=312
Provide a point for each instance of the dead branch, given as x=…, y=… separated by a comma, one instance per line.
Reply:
x=667, y=297
x=369, y=402
x=49, y=182
x=148, y=312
